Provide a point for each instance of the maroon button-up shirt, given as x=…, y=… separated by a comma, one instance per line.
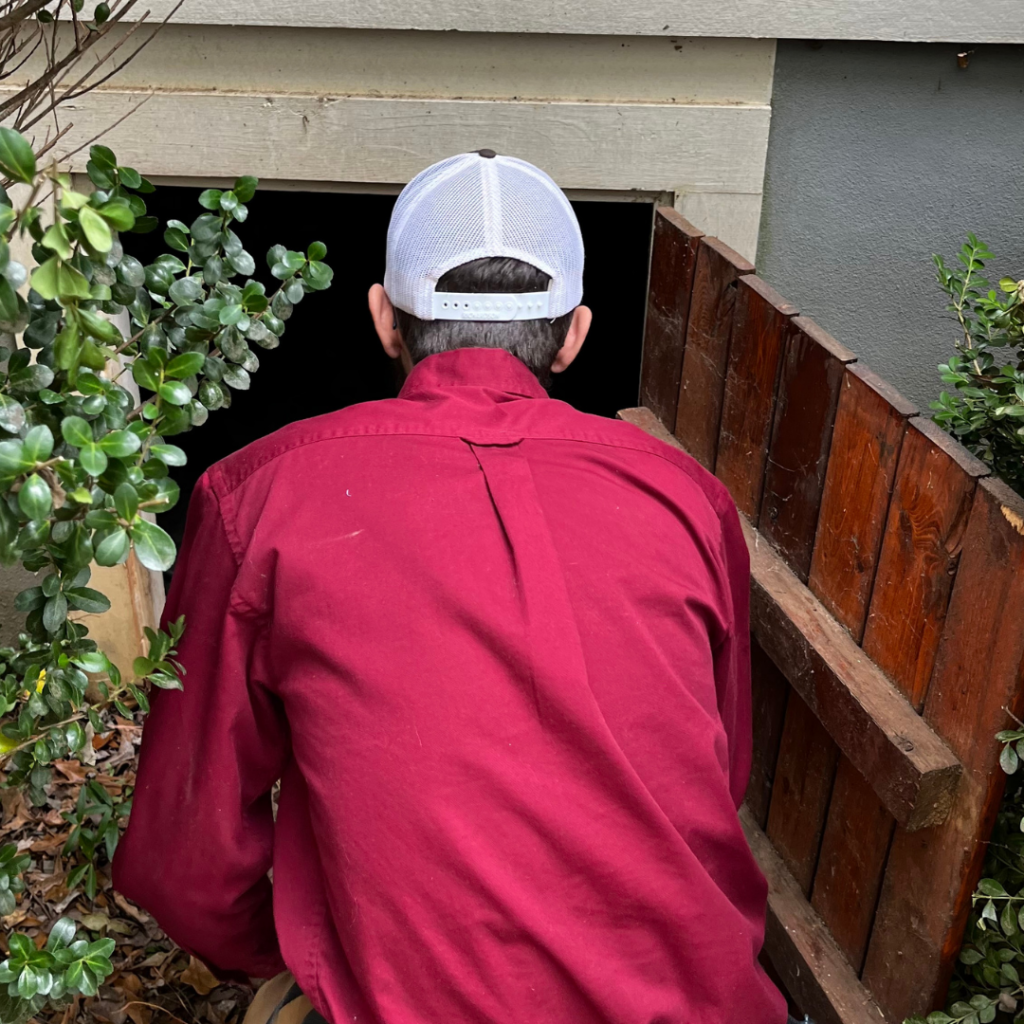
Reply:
x=497, y=652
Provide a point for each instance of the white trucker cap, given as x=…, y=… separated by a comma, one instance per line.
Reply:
x=475, y=205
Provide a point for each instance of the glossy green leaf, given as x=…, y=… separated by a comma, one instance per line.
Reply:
x=113, y=548
x=34, y=498
x=174, y=392
x=188, y=364
x=153, y=545
x=93, y=459
x=56, y=240
x=17, y=161
x=96, y=229
x=169, y=454
x=76, y=431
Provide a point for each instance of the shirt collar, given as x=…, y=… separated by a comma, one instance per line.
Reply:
x=491, y=368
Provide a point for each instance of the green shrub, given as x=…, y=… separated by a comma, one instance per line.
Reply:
x=86, y=414
x=985, y=411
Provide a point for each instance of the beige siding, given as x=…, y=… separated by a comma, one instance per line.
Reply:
x=956, y=21
x=329, y=108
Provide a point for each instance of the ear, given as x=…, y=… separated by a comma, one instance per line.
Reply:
x=383, y=314
x=582, y=318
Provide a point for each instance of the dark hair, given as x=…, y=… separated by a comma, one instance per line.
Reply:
x=535, y=342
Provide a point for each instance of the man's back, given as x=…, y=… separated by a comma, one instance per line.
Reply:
x=496, y=650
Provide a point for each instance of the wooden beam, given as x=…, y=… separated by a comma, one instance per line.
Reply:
x=913, y=772
x=818, y=977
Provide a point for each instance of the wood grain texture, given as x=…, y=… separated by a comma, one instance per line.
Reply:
x=388, y=140
x=769, y=693
x=673, y=262
x=853, y=851
x=910, y=768
x=869, y=428
x=804, y=775
x=984, y=21
x=811, y=966
x=979, y=672
x=870, y=424
x=798, y=454
x=921, y=546
x=707, y=349
x=762, y=324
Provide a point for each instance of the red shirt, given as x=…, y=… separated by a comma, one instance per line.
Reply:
x=497, y=651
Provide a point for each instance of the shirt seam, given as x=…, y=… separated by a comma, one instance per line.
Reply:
x=235, y=547
x=670, y=455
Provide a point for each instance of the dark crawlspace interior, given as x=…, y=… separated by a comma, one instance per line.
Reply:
x=329, y=356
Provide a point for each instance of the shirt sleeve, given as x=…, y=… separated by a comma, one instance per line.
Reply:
x=200, y=836
x=732, y=658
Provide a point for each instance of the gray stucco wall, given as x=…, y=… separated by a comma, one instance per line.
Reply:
x=879, y=155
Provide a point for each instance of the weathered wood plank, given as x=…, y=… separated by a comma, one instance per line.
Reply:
x=911, y=769
x=931, y=500
x=979, y=672
x=762, y=323
x=870, y=423
x=985, y=21
x=707, y=349
x=631, y=146
x=807, y=959
x=913, y=772
x=769, y=692
x=804, y=775
x=869, y=428
x=798, y=454
x=853, y=851
x=673, y=262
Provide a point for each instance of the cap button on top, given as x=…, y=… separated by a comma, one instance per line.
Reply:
x=488, y=154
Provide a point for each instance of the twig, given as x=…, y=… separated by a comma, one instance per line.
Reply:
x=153, y=1006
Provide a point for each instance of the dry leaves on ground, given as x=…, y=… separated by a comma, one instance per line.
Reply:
x=153, y=981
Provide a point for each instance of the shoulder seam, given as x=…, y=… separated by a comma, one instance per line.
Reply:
x=681, y=460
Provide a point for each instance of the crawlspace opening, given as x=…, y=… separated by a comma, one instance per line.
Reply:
x=329, y=356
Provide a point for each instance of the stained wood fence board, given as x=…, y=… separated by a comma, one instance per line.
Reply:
x=913, y=771
x=769, y=694
x=673, y=262
x=707, y=348
x=761, y=328
x=979, y=672
x=798, y=453
x=811, y=966
x=908, y=765
x=849, y=874
x=920, y=550
x=803, y=784
x=870, y=423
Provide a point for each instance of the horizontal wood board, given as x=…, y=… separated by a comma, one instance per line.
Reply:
x=913, y=771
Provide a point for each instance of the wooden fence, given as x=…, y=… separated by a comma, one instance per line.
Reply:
x=887, y=623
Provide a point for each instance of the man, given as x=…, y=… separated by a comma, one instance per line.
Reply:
x=496, y=651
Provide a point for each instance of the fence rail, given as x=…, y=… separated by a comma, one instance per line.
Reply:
x=887, y=621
